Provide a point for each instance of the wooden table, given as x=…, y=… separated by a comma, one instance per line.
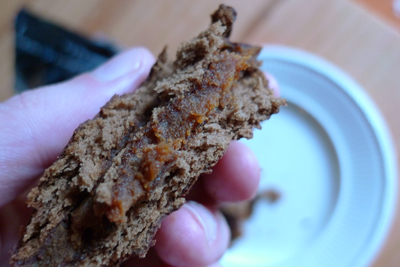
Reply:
x=361, y=37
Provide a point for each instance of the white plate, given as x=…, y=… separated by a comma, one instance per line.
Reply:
x=331, y=158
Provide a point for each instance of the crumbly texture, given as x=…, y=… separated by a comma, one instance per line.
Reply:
x=237, y=213
x=122, y=172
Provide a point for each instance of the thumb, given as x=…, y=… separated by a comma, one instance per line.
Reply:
x=36, y=125
x=194, y=235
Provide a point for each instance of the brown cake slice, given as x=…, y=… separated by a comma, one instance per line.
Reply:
x=122, y=172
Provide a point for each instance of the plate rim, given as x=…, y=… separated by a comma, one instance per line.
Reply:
x=377, y=123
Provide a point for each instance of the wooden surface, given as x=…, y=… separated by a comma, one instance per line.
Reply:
x=361, y=37
x=383, y=9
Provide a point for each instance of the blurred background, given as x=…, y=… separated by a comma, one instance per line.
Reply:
x=362, y=37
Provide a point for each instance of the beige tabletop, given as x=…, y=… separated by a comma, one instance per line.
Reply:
x=361, y=37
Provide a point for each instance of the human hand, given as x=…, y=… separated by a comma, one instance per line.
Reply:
x=36, y=126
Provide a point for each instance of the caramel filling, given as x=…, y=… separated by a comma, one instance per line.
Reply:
x=148, y=157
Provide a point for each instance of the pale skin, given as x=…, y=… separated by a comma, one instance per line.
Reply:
x=36, y=126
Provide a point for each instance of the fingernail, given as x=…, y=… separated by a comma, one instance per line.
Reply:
x=273, y=84
x=205, y=218
x=120, y=65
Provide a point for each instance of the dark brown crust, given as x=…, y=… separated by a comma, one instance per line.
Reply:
x=71, y=226
x=227, y=16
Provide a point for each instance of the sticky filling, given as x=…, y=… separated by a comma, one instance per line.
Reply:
x=147, y=157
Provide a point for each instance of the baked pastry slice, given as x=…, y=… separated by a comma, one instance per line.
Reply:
x=122, y=172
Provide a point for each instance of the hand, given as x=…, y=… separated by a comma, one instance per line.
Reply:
x=36, y=126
